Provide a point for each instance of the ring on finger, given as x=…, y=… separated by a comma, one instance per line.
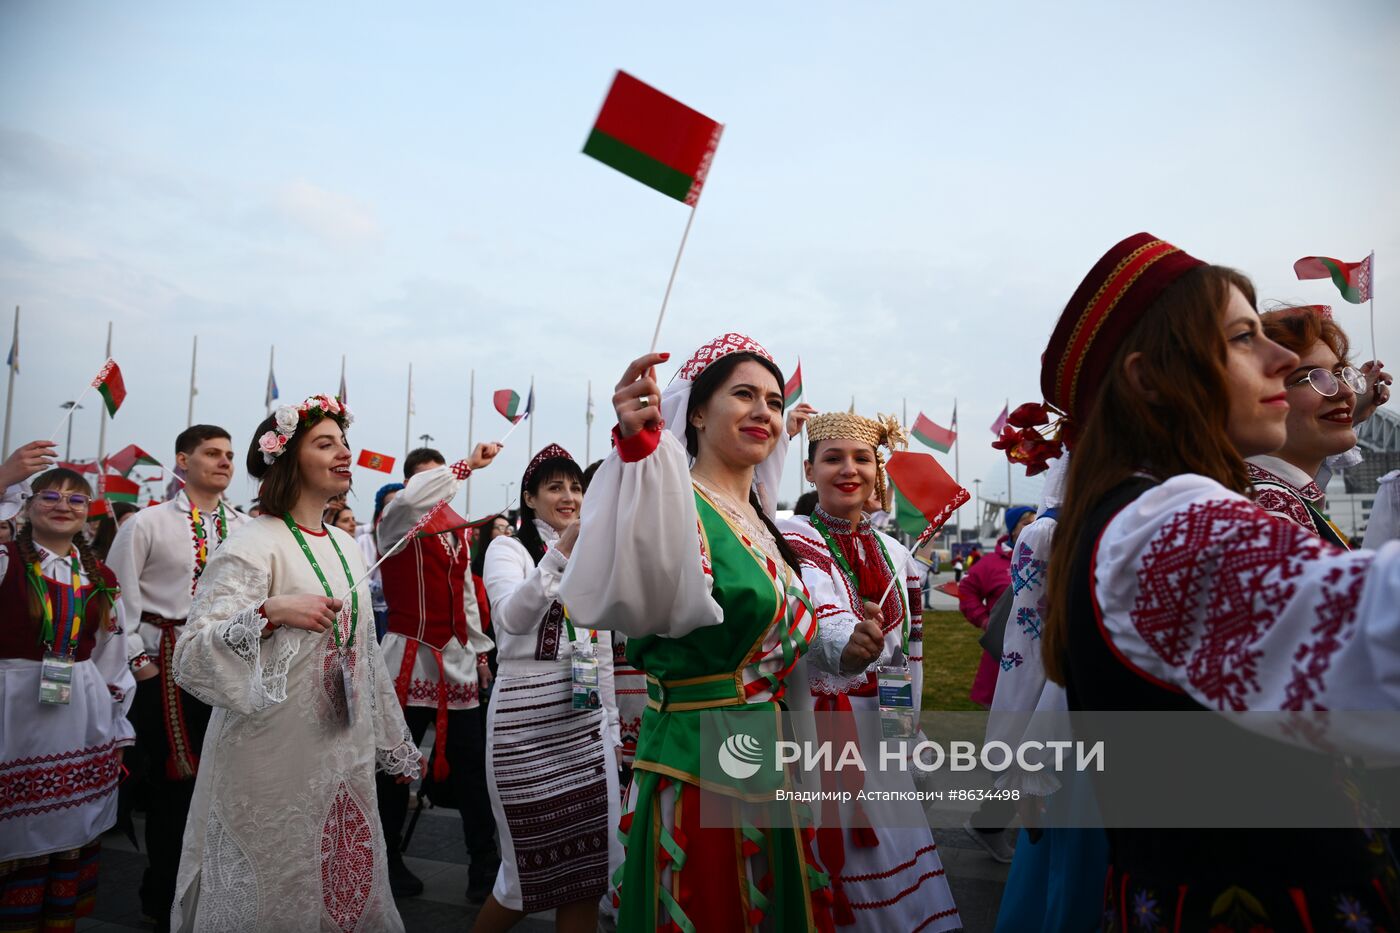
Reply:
x=644, y=402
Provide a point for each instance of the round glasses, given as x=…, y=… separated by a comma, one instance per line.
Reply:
x=53, y=499
x=1327, y=383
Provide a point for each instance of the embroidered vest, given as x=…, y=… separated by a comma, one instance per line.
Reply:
x=425, y=585
x=19, y=635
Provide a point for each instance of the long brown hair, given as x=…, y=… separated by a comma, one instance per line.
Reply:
x=281, y=479
x=1181, y=429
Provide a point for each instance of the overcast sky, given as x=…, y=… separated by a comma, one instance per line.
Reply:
x=905, y=196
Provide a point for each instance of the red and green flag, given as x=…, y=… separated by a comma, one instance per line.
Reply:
x=108, y=382
x=507, y=402
x=119, y=489
x=130, y=457
x=793, y=390
x=371, y=460
x=926, y=432
x=925, y=488
x=653, y=138
x=1353, y=279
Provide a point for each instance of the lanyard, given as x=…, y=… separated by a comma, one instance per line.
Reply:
x=573, y=636
x=354, y=593
x=835, y=549
x=73, y=620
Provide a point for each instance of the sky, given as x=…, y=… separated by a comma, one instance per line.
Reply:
x=904, y=197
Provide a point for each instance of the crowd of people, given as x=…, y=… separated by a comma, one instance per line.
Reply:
x=268, y=687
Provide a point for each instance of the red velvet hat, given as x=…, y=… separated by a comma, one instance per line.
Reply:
x=1108, y=303
x=551, y=452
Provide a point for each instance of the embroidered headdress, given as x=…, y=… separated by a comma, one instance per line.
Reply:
x=1110, y=301
x=288, y=419
x=551, y=452
x=676, y=398
x=881, y=431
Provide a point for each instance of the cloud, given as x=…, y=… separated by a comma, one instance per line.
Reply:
x=336, y=218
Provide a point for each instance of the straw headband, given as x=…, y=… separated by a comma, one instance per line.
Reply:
x=881, y=431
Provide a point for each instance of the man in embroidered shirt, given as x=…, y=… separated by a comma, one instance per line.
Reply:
x=158, y=555
x=436, y=653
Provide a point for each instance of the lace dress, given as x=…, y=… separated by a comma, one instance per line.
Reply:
x=284, y=831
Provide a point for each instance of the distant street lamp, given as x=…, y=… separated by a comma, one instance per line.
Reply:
x=508, y=488
x=426, y=439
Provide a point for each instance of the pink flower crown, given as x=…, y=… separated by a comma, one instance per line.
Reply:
x=288, y=419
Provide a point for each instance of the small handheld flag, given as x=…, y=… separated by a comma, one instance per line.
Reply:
x=1353, y=279
x=108, y=383
x=925, y=431
x=507, y=402
x=376, y=461
x=128, y=458
x=919, y=480
x=793, y=390
x=654, y=139
x=120, y=489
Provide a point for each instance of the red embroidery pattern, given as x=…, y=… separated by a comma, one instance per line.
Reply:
x=1282, y=504
x=425, y=693
x=717, y=349
x=1336, y=612
x=59, y=781
x=347, y=860
x=1228, y=568
x=816, y=555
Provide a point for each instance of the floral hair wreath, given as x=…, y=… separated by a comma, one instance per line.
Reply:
x=288, y=419
x=1035, y=433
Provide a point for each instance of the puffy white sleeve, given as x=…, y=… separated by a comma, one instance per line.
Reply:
x=422, y=491
x=12, y=500
x=830, y=600
x=221, y=657
x=109, y=657
x=637, y=566
x=520, y=590
x=127, y=555
x=1201, y=589
x=1022, y=687
x=1385, y=512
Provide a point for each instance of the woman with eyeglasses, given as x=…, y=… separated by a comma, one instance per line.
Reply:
x=1327, y=398
x=64, y=691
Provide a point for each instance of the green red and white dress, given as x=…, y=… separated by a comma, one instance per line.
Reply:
x=717, y=623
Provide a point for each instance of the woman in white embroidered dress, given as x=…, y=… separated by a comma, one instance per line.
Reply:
x=1327, y=397
x=284, y=832
x=886, y=874
x=551, y=763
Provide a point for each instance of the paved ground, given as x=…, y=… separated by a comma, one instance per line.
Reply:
x=438, y=856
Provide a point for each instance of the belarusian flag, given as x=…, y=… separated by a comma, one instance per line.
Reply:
x=120, y=489
x=507, y=402
x=108, y=382
x=81, y=466
x=920, y=482
x=793, y=390
x=655, y=139
x=128, y=458
x=1000, y=423
x=926, y=432
x=1353, y=279
x=376, y=461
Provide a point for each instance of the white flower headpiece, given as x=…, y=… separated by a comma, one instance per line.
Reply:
x=289, y=418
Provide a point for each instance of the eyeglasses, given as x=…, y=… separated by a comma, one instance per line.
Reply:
x=1328, y=384
x=53, y=499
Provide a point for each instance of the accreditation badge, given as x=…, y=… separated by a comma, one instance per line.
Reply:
x=347, y=687
x=587, y=693
x=56, y=679
x=896, y=690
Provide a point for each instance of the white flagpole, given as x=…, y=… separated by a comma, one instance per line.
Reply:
x=10, y=395
x=194, y=358
x=268, y=397
x=1372, y=287
x=957, y=471
x=656, y=334
x=471, y=433
x=1008, y=467
x=533, y=402
x=408, y=411
x=102, y=415
x=588, y=427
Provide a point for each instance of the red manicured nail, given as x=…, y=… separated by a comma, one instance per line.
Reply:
x=665, y=357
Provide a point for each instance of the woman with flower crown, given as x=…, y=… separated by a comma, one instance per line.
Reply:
x=886, y=874
x=678, y=551
x=283, y=832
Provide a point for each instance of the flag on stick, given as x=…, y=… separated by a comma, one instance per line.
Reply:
x=654, y=139
x=507, y=402
x=108, y=383
x=1000, y=423
x=1353, y=279
x=953, y=425
x=77, y=467
x=120, y=489
x=793, y=390
x=919, y=480
x=13, y=360
x=128, y=458
x=376, y=461
x=925, y=431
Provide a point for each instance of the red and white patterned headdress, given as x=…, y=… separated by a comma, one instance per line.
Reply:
x=676, y=398
x=551, y=452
